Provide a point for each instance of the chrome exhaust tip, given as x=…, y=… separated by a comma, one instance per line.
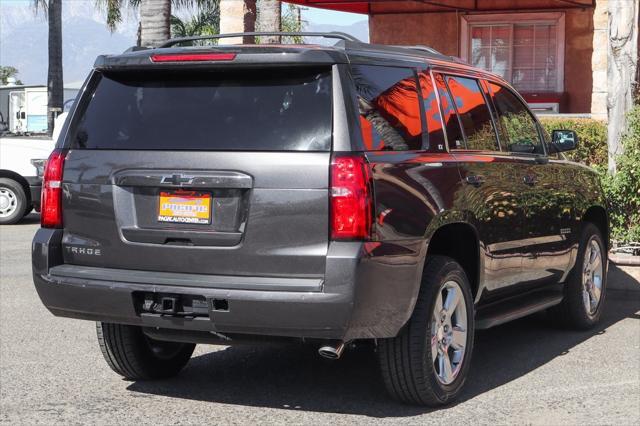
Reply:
x=333, y=351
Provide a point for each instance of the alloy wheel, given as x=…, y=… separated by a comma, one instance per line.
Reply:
x=592, y=275
x=448, y=332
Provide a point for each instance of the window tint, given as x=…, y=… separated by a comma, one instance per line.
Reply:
x=518, y=126
x=432, y=112
x=450, y=119
x=261, y=111
x=474, y=114
x=389, y=108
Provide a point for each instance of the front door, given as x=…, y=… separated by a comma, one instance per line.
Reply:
x=547, y=207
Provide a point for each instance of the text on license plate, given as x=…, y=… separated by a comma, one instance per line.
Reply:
x=185, y=207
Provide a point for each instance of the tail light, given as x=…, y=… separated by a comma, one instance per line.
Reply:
x=351, y=202
x=51, y=201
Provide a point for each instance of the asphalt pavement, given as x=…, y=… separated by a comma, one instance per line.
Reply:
x=526, y=372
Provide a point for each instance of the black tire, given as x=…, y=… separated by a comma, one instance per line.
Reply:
x=572, y=312
x=406, y=361
x=12, y=192
x=133, y=355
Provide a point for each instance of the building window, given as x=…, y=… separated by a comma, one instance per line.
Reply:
x=526, y=49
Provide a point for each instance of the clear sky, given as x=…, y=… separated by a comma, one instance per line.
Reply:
x=323, y=16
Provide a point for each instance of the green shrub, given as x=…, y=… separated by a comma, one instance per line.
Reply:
x=592, y=138
x=623, y=189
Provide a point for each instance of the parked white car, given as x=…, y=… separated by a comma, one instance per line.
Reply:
x=21, y=166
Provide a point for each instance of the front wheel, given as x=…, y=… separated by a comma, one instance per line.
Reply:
x=585, y=290
x=427, y=363
x=133, y=355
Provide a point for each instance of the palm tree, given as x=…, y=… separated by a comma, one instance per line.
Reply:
x=269, y=19
x=206, y=22
x=238, y=16
x=53, y=10
x=155, y=16
x=155, y=22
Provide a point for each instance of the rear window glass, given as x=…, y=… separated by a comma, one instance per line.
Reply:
x=253, y=110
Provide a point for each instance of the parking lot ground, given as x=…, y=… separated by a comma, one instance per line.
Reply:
x=51, y=372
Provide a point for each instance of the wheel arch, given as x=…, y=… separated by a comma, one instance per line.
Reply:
x=598, y=216
x=8, y=174
x=459, y=240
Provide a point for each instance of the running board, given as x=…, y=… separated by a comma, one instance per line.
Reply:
x=500, y=313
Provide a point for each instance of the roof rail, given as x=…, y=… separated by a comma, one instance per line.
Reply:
x=422, y=48
x=333, y=34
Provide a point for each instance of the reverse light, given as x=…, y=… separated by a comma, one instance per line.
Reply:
x=192, y=57
x=351, y=202
x=51, y=198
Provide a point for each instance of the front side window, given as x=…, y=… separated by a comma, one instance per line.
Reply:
x=524, y=53
x=474, y=113
x=519, y=129
x=389, y=110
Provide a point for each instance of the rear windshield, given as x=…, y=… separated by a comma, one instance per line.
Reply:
x=288, y=110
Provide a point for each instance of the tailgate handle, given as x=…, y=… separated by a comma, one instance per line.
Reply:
x=179, y=179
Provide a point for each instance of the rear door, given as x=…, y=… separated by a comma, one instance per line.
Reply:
x=201, y=172
x=493, y=192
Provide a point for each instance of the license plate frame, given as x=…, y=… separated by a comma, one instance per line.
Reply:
x=185, y=207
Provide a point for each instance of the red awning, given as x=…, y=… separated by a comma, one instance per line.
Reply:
x=422, y=6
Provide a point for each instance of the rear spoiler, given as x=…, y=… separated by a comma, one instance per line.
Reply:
x=245, y=55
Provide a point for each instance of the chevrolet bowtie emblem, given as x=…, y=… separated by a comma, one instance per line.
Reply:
x=178, y=179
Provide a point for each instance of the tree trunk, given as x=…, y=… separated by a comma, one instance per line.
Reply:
x=269, y=14
x=54, y=75
x=622, y=66
x=237, y=16
x=155, y=18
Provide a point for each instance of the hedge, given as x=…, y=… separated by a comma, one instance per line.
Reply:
x=623, y=189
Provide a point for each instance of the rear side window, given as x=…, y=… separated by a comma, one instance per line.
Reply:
x=389, y=108
x=449, y=117
x=474, y=114
x=432, y=112
x=249, y=110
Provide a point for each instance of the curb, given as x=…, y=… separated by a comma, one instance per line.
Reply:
x=624, y=259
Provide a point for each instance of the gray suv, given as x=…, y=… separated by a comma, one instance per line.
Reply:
x=331, y=195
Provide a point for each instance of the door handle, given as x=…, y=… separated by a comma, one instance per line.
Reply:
x=475, y=180
x=530, y=179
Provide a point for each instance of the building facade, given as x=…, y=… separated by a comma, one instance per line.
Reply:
x=555, y=52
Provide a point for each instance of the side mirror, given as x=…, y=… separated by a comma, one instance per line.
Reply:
x=564, y=140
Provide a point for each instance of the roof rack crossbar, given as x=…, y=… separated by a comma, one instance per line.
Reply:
x=333, y=34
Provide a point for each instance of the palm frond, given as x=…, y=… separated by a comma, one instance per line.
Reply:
x=40, y=6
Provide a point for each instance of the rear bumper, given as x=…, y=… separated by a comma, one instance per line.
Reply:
x=365, y=293
x=35, y=188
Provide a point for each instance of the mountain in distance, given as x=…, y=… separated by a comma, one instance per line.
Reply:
x=84, y=37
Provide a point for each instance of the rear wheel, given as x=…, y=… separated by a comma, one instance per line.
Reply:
x=133, y=355
x=13, y=201
x=427, y=363
x=586, y=287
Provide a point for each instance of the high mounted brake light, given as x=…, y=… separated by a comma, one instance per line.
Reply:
x=193, y=57
x=351, y=201
x=51, y=199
